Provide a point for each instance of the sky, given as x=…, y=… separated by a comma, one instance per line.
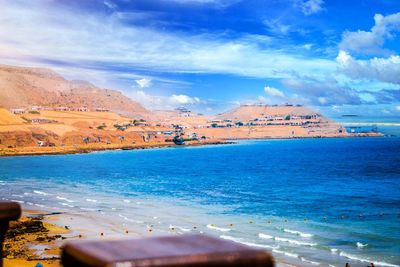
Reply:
x=338, y=56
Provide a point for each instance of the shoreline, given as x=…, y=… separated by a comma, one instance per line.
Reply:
x=360, y=135
x=38, y=236
x=82, y=149
x=89, y=149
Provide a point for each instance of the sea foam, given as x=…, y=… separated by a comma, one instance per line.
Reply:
x=65, y=199
x=264, y=236
x=238, y=240
x=218, y=228
x=356, y=258
x=292, y=255
x=297, y=233
x=295, y=242
x=40, y=193
x=334, y=250
x=361, y=245
x=308, y=261
x=66, y=204
x=129, y=220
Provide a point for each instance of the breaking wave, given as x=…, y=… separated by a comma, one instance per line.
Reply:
x=218, y=228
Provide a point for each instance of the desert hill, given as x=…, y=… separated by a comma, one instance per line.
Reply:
x=179, y=116
x=22, y=87
x=251, y=112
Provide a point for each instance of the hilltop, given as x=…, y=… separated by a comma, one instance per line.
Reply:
x=22, y=87
x=260, y=121
x=251, y=112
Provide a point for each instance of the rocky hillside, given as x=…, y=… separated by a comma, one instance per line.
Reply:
x=26, y=87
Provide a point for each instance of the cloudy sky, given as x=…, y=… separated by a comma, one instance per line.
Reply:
x=338, y=56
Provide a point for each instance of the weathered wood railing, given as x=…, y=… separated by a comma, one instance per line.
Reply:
x=167, y=251
x=9, y=211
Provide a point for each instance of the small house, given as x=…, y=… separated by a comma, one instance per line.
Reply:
x=18, y=111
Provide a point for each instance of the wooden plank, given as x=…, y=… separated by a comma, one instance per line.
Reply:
x=182, y=250
x=9, y=211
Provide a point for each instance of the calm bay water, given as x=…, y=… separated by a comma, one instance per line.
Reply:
x=256, y=181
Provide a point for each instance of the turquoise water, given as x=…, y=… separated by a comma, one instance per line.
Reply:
x=256, y=181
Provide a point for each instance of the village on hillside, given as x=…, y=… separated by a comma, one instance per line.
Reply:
x=41, y=112
x=23, y=128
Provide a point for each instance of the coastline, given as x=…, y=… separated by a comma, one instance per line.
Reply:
x=84, y=149
x=353, y=135
x=38, y=236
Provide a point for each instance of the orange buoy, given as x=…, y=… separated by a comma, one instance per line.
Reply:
x=360, y=215
x=150, y=230
x=102, y=234
x=285, y=220
x=172, y=228
x=269, y=221
x=194, y=227
x=212, y=224
x=381, y=214
x=80, y=236
x=126, y=231
x=324, y=218
x=305, y=219
x=342, y=217
x=250, y=221
x=231, y=224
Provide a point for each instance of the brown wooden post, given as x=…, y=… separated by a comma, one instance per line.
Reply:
x=9, y=211
x=193, y=250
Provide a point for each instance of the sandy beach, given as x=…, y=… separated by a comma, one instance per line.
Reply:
x=38, y=236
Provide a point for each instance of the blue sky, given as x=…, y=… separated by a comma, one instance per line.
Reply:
x=340, y=57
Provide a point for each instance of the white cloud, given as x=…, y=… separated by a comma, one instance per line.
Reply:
x=323, y=92
x=322, y=100
x=398, y=108
x=276, y=27
x=383, y=69
x=274, y=92
x=110, y=4
x=309, y=7
x=143, y=83
x=154, y=102
x=372, y=41
x=83, y=38
x=184, y=99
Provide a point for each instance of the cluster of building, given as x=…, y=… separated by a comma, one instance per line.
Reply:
x=38, y=108
x=265, y=120
x=287, y=104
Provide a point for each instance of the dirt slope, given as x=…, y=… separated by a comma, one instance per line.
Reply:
x=27, y=87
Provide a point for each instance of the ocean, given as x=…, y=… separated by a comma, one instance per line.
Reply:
x=285, y=196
